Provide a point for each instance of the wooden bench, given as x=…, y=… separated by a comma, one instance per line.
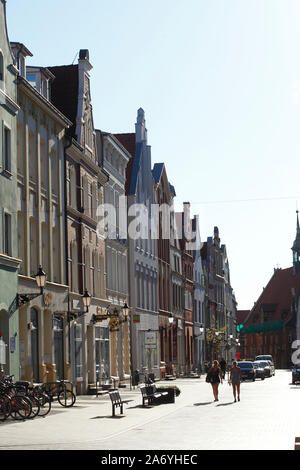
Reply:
x=150, y=394
x=117, y=401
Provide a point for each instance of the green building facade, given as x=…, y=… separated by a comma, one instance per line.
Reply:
x=9, y=262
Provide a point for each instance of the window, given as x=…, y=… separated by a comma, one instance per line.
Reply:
x=1, y=71
x=31, y=78
x=78, y=351
x=34, y=337
x=7, y=149
x=7, y=234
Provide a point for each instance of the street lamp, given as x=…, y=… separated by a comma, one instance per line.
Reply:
x=40, y=279
x=171, y=319
x=125, y=311
x=86, y=300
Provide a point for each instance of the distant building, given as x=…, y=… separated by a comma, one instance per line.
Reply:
x=142, y=253
x=187, y=259
x=163, y=197
x=199, y=301
x=221, y=302
x=177, y=292
x=271, y=326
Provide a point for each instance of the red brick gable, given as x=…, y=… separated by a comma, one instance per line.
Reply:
x=277, y=298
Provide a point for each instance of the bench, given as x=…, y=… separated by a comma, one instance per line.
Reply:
x=150, y=394
x=116, y=401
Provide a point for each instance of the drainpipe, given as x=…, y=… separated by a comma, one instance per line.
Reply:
x=66, y=147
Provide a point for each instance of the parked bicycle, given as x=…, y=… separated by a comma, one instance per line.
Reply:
x=13, y=402
x=62, y=391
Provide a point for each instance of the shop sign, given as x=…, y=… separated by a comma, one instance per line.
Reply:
x=150, y=338
x=136, y=318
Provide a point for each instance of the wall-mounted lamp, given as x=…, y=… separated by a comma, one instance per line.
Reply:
x=40, y=278
x=86, y=300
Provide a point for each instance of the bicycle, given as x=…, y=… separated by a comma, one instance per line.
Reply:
x=59, y=390
x=14, y=403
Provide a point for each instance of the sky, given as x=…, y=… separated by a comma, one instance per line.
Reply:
x=219, y=81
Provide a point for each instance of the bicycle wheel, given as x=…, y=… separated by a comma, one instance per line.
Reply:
x=35, y=406
x=20, y=407
x=45, y=404
x=5, y=407
x=66, y=398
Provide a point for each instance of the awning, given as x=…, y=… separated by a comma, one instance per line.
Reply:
x=262, y=327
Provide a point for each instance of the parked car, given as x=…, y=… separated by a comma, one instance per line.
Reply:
x=247, y=369
x=296, y=373
x=259, y=370
x=267, y=367
x=265, y=357
x=272, y=367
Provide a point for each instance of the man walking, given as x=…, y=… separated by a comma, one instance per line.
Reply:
x=223, y=367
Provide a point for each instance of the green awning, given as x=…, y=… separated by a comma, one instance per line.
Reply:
x=263, y=327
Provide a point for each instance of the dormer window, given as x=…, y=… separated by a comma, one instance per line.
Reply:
x=40, y=78
x=22, y=66
x=31, y=78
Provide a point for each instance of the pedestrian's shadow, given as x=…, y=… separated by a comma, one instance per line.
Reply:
x=205, y=403
x=226, y=404
x=109, y=417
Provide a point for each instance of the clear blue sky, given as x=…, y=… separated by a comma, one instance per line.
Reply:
x=219, y=81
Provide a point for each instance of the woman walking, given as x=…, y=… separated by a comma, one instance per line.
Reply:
x=235, y=380
x=215, y=374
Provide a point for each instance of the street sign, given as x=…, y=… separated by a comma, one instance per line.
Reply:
x=136, y=318
x=97, y=318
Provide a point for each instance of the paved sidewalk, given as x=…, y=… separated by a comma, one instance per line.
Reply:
x=267, y=417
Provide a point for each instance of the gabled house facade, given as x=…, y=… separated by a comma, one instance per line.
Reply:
x=9, y=262
x=85, y=243
x=177, y=291
x=113, y=158
x=41, y=223
x=168, y=333
x=199, y=300
x=143, y=256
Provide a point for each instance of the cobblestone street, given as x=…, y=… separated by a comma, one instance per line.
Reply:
x=266, y=418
